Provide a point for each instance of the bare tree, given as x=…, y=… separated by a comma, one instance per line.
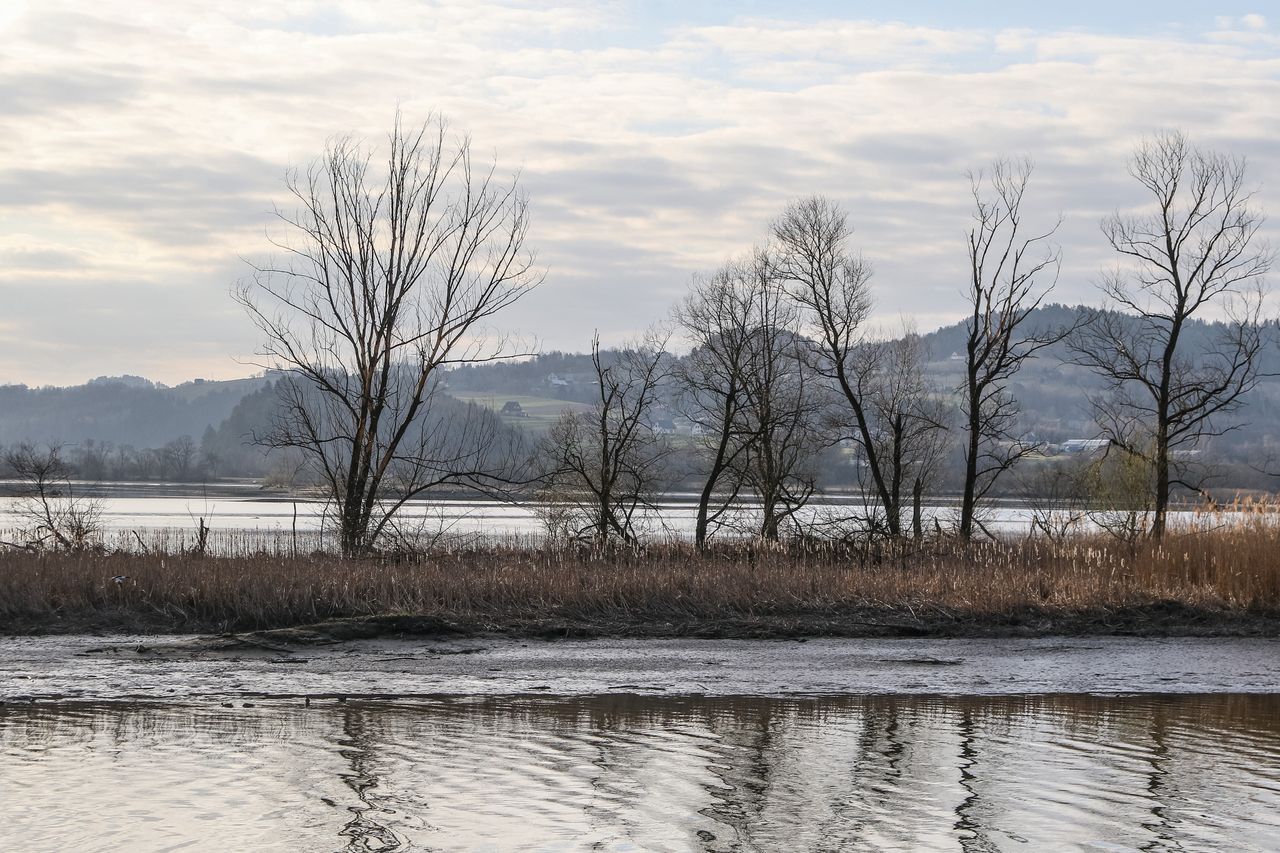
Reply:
x=1057, y=494
x=387, y=280
x=1011, y=271
x=832, y=287
x=907, y=419
x=1196, y=254
x=604, y=467
x=720, y=315
x=54, y=512
x=781, y=406
x=179, y=459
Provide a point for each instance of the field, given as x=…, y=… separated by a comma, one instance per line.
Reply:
x=540, y=412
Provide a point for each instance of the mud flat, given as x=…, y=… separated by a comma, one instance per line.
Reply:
x=244, y=669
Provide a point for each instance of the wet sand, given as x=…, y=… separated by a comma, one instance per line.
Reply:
x=238, y=670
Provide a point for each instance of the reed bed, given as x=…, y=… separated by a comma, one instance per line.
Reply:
x=1223, y=572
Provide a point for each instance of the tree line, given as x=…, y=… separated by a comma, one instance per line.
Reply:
x=784, y=361
x=181, y=460
x=391, y=275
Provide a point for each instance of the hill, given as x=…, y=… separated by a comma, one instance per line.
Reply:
x=125, y=410
x=213, y=421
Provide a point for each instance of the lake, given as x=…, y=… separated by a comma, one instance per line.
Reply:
x=240, y=515
x=646, y=773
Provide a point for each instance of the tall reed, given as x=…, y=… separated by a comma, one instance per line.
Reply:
x=1222, y=564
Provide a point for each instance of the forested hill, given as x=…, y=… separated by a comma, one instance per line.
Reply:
x=131, y=413
x=567, y=375
x=123, y=410
x=1196, y=336
x=1053, y=393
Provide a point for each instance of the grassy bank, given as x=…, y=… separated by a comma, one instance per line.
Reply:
x=1206, y=582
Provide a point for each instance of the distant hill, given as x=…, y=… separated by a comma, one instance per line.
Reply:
x=231, y=449
x=127, y=410
x=1053, y=393
x=554, y=375
x=219, y=417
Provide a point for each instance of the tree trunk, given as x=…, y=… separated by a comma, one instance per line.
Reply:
x=713, y=476
x=970, y=497
x=1162, y=483
x=352, y=532
x=769, y=525
x=894, y=508
x=917, y=509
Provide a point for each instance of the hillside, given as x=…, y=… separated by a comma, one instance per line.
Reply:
x=118, y=410
x=1053, y=393
x=133, y=414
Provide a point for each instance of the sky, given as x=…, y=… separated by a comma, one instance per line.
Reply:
x=145, y=144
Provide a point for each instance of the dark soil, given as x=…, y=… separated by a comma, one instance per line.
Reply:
x=1158, y=619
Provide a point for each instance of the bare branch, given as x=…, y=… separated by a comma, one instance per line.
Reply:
x=387, y=279
x=1195, y=255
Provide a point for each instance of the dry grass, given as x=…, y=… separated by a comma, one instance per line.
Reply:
x=1228, y=572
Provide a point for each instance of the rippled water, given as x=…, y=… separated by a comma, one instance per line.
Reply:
x=641, y=773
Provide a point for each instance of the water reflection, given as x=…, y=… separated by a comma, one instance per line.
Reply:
x=641, y=773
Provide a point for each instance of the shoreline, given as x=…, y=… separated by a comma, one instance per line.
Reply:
x=242, y=672
x=1220, y=583
x=1160, y=619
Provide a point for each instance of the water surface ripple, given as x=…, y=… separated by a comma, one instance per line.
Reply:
x=621, y=772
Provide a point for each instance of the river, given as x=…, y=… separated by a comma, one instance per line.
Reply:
x=178, y=743
x=168, y=743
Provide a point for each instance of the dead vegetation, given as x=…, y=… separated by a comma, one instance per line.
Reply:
x=1221, y=575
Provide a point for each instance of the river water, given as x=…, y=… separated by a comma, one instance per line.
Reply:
x=488, y=744
x=627, y=772
x=158, y=744
x=241, y=516
x=242, y=506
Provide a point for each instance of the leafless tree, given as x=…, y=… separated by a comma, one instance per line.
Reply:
x=604, y=468
x=720, y=316
x=178, y=458
x=832, y=287
x=1011, y=272
x=388, y=278
x=1195, y=254
x=1057, y=493
x=908, y=421
x=781, y=406
x=55, y=514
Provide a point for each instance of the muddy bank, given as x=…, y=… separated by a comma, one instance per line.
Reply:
x=1157, y=619
x=249, y=669
x=1163, y=619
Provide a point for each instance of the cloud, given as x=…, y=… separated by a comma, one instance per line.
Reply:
x=147, y=143
x=27, y=257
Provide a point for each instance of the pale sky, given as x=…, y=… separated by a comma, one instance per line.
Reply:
x=145, y=143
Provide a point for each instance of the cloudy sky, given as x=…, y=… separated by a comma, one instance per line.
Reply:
x=145, y=143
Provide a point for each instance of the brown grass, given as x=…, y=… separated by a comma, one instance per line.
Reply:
x=1205, y=580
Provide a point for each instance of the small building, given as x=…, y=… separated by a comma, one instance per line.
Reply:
x=664, y=426
x=1084, y=445
x=683, y=425
x=513, y=409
